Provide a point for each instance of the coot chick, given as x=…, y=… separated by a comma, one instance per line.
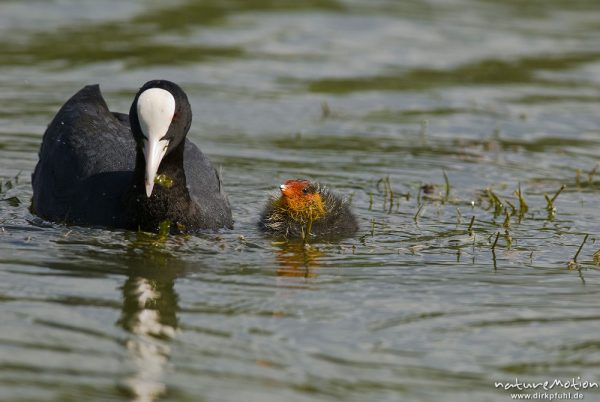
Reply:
x=306, y=208
x=98, y=168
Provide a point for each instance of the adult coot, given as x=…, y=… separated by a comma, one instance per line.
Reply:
x=305, y=209
x=100, y=168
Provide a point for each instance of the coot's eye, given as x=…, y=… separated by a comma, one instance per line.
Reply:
x=305, y=190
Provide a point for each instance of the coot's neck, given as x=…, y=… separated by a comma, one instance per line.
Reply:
x=167, y=201
x=172, y=164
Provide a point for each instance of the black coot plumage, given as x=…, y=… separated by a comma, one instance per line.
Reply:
x=98, y=168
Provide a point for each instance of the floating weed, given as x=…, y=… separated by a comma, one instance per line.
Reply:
x=494, y=201
x=246, y=244
x=416, y=217
x=164, y=228
x=494, y=250
x=550, y=201
x=581, y=182
x=572, y=265
x=523, y=207
x=388, y=193
x=495, y=241
x=181, y=227
x=470, y=228
x=391, y=198
x=154, y=239
x=164, y=181
x=506, y=223
x=513, y=210
x=596, y=258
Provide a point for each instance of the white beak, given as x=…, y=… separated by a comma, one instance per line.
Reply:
x=155, y=108
x=282, y=187
x=154, y=152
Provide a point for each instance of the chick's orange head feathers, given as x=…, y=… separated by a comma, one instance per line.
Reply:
x=296, y=188
x=302, y=198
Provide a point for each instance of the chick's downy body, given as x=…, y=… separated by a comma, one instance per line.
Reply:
x=304, y=208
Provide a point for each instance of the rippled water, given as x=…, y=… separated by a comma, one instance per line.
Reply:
x=367, y=97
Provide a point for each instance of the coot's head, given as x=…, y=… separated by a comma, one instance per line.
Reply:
x=160, y=118
x=302, y=199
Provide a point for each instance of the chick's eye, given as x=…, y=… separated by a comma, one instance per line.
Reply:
x=305, y=190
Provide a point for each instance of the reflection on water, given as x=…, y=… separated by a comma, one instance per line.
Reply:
x=150, y=314
x=297, y=259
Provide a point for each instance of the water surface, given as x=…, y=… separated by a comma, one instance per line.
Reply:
x=376, y=99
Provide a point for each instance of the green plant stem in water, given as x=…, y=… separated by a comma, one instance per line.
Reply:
x=495, y=241
x=470, y=229
x=495, y=202
x=580, y=247
x=572, y=265
x=550, y=201
x=523, y=207
x=416, y=217
x=446, y=186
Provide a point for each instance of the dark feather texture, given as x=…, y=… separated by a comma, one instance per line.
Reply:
x=90, y=166
x=337, y=221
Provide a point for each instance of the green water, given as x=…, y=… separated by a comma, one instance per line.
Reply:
x=374, y=98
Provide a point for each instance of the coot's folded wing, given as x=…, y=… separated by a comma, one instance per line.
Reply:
x=85, y=163
x=204, y=186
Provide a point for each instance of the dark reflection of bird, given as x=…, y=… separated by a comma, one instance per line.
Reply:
x=306, y=209
x=96, y=170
